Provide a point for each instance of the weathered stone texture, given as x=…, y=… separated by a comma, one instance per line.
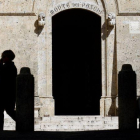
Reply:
x=16, y=6
x=112, y=6
x=129, y=6
x=128, y=42
x=18, y=34
x=33, y=45
x=70, y=123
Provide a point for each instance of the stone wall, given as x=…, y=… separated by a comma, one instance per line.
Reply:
x=128, y=52
x=128, y=6
x=32, y=45
x=18, y=34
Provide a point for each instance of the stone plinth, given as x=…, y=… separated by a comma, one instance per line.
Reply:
x=25, y=101
x=127, y=98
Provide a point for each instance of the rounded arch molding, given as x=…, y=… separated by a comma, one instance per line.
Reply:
x=98, y=7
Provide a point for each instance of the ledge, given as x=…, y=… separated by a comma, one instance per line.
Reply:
x=18, y=14
x=128, y=13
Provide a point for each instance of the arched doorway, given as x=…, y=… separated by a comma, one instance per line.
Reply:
x=76, y=62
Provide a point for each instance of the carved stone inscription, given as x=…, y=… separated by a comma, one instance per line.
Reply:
x=65, y=6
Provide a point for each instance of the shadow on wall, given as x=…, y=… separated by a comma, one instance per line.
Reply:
x=109, y=29
x=38, y=29
x=114, y=92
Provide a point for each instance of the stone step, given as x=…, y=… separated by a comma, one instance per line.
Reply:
x=69, y=123
x=76, y=123
x=77, y=117
x=59, y=118
x=71, y=127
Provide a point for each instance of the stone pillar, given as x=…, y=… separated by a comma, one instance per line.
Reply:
x=107, y=106
x=45, y=71
x=109, y=75
x=25, y=101
x=104, y=73
x=127, y=98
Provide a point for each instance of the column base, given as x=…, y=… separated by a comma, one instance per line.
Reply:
x=37, y=101
x=47, y=107
x=108, y=106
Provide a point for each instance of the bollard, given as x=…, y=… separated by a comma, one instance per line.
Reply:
x=127, y=98
x=138, y=110
x=25, y=101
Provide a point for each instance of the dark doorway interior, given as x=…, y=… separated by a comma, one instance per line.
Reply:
x=76, y=53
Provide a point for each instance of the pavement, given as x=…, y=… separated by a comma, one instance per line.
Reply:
x=84, y=135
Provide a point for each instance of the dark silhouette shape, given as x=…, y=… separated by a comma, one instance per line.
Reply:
x=76, y=56
x=25, y=101
x=127, y=98
x=8, y=73
x=138, y=110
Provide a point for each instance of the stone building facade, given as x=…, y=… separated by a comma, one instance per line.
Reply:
x=26, y=28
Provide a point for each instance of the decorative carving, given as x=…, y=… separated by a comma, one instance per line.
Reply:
x=63, y=6
x=41, y=19
x=111, y=19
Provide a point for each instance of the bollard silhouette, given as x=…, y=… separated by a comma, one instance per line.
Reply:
x=138, y=110
x=25, y=101
x=127, y=98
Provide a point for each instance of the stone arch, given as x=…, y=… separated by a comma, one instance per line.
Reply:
x=90, y=7
x=99, y=10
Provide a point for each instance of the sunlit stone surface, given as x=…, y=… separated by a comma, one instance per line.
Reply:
x=32, y=44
